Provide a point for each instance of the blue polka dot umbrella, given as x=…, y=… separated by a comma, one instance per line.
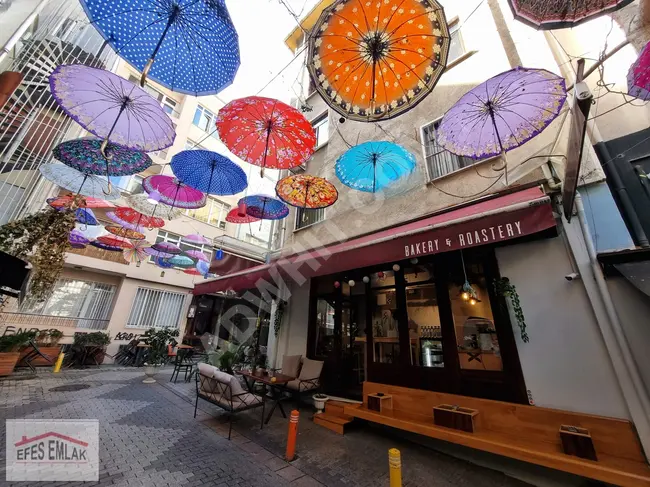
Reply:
x=209, y=172
x=265, y=207
x=193, y=42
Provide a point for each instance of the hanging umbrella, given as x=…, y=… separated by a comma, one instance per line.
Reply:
x=181, y=261
x=203, y=267
x=558, y=14
x=140, y=203
x=233, y=216
x=112, y=108
x=163, y=263
x=77, y=240
x=85, y=216
x=110, y=248
x=78, y=182
x=209, y=172
x=372, y=166
x=174, y=193
x=266, y=132
x=157, y=254
x=194, y=42
x=306, y=191
x=195, y=238
x=193, y=272
x=123, y=223
x=265, y=207
x=167, y=247
x=85, y=202
x=137, y=253
x=124, y=232
x=197, y=255
x=372, y=61
x=638, y=76
x=136, y=218
x=115, y=241
x=502, y=113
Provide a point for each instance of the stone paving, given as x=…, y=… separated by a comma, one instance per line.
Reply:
x=149, y=437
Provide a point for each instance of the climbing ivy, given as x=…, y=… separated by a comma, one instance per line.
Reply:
x=279, y=311
x=503, y=287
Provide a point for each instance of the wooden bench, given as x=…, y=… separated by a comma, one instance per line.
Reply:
x=527, y=433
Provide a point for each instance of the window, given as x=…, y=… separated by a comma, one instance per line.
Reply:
x=164, y=236
x=130, y=184
x=155, y=308
x=456, y=45
x=168, y=104
x=304, y=217
x=438, y=160
x=383, y=303
x=205, y=120
x=191, y=145
x=213, y=213
x=321, y=127
x=73, y=298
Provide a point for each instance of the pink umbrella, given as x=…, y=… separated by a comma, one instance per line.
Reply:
x=197, y=254
x=157, y=253
x=197, y=239
x=166, y=247
x=174, y=193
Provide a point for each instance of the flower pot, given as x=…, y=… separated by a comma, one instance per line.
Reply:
x=52, y=352
x=150, y=371
x=319, y=403
x=8, y=361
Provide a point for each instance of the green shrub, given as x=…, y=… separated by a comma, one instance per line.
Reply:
x=13, y=343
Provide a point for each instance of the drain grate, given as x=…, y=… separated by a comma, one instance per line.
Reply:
x=70, y=388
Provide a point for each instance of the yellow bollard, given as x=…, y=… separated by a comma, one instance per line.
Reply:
x=59, y=361
x=395, y=467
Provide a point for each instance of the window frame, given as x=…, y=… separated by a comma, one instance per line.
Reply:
x=176, y=239
x=165, y=293
x=166, y=102
x=221, y=220
x=455, y=29
x=322, y=119
x=211, y=120
x=298, y=219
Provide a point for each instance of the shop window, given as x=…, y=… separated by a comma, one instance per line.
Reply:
x=155, y=308
x=385, y=335
x=476, y=337
x=324, y=327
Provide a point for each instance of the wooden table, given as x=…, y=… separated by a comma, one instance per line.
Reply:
x=250, y=377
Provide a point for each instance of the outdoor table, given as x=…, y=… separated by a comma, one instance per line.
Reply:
x=252, y=376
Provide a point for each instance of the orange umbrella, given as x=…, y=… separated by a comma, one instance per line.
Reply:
x=124, y=232
x=376, y=60
x=306, y=191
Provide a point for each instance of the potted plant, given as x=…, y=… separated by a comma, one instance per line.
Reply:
x=319, y=402
x=10, y=346
x=48, y=343
x=88, y=348
x=157, y=341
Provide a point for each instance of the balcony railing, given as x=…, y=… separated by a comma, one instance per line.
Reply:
x=27, y=321
x=96, y=253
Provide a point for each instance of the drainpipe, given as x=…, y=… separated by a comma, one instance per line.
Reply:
x=625, y=368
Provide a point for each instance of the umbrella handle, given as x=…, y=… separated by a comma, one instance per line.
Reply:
x=147, y=67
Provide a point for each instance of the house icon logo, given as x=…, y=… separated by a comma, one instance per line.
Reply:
x=51, y=447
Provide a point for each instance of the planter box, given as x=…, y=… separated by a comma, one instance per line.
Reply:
x=380, y=402
x=8, y=362
x=39, y=361
x=454, y=417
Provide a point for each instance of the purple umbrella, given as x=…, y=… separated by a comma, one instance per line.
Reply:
x=197, y=255
x=123, y=223
x=110, y=248
x=168, y=248
x=195, y=238
x=502, y=113
x=112, y=108
x=77, y=240
x=638, y=76
x=157, y=253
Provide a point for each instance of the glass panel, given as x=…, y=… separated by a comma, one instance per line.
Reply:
x=200, y=213
x=382, y=278
x=424, y=325
x=324, y=327
x=478, y=346
x=456, y=46
x=417, y=273
x=384, y=326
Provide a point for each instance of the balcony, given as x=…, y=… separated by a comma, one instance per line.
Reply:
x=27, y=321
x=100, y=254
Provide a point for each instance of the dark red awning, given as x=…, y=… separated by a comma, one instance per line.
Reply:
x=495, y=220
x=231, y=264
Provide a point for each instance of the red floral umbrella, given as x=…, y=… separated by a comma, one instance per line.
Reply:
x=136, y=218
x=115, y=241
x=83, y=201
x=266, y=132
x=234, y=217
x=124, y=232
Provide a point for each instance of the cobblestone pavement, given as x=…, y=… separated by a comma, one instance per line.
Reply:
x=148, y=437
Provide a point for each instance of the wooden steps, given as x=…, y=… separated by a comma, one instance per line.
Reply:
x=334, y=417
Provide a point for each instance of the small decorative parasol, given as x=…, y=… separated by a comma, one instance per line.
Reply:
x=84, y=202
x=197, y=255
x=193, y=272
x=136, y=254
x=141, y=204
x=115, y=241
x=173, y=192
x=638, y=76
x=167, y=247
x=181, y=261
x=78, y=182
x=209, y=172
x=103, y=246
x=124, y=232
x=233, y=216
x=203, y=268
x=306, y=191
x=265, y=207
x=163, y=263
x=157, y=254
x=373, y=166
x=197, y=239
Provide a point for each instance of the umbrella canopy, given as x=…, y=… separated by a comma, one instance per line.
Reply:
x=163, y=263
x=139, y=203
x=638, y=76
x=203, y=267
x=124, y=232
x=112, y=108
x=193, y=272
x=103, y=246
x=370, y=61
x=86, y=156
x=546, y=15
x=502, y=113
x=123, y=223
x=195, y=238
x=157, y=254
x=265, y=207
x=306, y=191
x=115, y=241
x=197, y=255
x=372, y=166
x=135, y=217
x=233, y=216
x=266, y=132
x=78, y=182
x=173, y=192
x=209, y=172
x=137, y=253
x=167, y=247
x=77, y=240
x=85, y=202
x=194, y=42
x=181, y=261
x=85, y=216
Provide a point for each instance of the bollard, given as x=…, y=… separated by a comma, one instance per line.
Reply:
x=395, y=467
x=59, y=361
x=291, y=439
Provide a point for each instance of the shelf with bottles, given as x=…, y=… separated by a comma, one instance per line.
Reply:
x=428, y=332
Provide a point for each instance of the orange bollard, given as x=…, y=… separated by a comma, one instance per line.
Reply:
x=293, y=433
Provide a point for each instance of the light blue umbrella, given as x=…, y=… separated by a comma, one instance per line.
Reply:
x=193, y=42
x=78, y=182
x=372, y=166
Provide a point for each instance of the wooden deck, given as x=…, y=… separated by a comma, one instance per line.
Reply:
x=526, y=433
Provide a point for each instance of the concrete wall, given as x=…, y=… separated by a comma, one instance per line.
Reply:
x=292, y=339
x=565, y=363
x=606, y=225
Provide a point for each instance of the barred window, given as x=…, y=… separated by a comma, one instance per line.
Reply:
x=155, y=308
x=440, y=161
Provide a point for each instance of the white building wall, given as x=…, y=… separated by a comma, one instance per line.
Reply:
x=293, y=332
